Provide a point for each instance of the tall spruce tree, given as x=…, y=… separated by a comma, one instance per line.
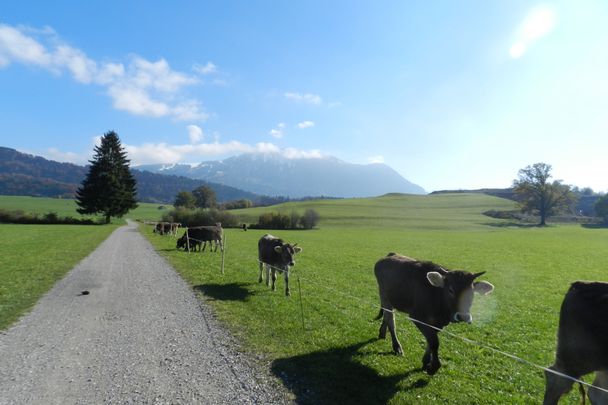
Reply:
x=109, y=187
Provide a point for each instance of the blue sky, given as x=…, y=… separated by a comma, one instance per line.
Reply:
x=450, y=94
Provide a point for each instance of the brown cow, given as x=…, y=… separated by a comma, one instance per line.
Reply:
x=428, y=293
x=275, y=254
x=582, y=342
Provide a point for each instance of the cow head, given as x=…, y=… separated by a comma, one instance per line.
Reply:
x=287, y=253
x=458, y=288
x=181, y=242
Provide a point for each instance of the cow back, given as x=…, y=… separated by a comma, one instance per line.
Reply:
x=404, y=282
x=266, y=252
x=583, y=328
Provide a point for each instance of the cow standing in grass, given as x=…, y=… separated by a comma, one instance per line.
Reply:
x=582, y=342
x=276, y=255
x=199, y=236
x=428, y=293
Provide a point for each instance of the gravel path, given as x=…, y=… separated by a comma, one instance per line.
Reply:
x=139, y=337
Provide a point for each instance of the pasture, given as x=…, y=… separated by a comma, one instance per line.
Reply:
x=34, y=257
x=67, y=208
x=336, y=358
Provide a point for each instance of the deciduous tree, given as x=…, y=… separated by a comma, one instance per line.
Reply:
x=205, y=197
x=538, y=195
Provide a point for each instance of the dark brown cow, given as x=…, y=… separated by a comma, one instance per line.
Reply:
x=200, y=235
x=582, y=341
x=273, y=253
x=428, y=293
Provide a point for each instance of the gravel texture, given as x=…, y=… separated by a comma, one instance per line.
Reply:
x=139, y=336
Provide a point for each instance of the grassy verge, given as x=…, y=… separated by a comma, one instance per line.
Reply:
x=336, y=357
x=34, y=257
x=67, y=208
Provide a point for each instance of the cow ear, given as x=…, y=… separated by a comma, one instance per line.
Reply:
x=297, y=249
x=435, y=279
x=483, y=287
x=278, y=249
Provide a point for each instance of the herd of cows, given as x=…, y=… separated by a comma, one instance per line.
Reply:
x=435, y=296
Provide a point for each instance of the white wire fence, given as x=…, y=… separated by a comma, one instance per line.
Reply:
x=370, y=304
x=443, y=331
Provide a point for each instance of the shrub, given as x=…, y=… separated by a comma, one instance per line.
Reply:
x=201, y=216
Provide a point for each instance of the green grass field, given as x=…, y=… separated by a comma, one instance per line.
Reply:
x=34, y=257
x=336, y=358
x=66, y=207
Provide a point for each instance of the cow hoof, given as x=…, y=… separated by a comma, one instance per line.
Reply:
x=431, y=369
x=398, y=351
x=382, y=336
x=287, y=294
x=260, y=280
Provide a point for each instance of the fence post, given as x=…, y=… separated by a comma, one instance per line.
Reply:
x=301, y=305
x=223, y=249
x=187, y=240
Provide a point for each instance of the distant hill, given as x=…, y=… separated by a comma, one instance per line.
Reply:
x=272, y=174
x=24, y=174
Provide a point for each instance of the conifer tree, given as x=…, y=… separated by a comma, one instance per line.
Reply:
x=109, y=187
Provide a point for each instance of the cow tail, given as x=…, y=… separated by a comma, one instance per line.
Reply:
x=379, y=315
x=581, y=389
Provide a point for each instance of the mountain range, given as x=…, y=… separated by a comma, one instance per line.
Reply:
x=250, y=176
x=273, y=174
x=25, y=174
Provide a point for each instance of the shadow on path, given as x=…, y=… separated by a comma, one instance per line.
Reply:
x=335, y=377
x=225, y=292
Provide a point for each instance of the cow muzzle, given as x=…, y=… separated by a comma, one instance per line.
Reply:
x=458, y=317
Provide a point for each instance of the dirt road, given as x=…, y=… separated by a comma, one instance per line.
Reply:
x=139, y=336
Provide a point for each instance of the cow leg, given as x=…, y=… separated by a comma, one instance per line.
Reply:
x=596, y=396
x=274, y=279
x=261, y=270
x=389, y=318
x=430, y=360
x=382, y=331
x=267, y=275
x=287, y=293
x=556, y=386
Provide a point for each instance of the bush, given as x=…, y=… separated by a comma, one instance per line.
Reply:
x=201, y=216
x=276, y=220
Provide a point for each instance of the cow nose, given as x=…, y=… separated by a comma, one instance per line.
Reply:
x=458, y=317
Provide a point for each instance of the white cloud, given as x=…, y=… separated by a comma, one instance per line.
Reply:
x=278, y=131
x=304, y=98
x=195, y=133
x=17, y=47
x=306, y=124
x=539, y=22
x=375, y=159
x=206, y=69
x=151, y=153
x=142, y=87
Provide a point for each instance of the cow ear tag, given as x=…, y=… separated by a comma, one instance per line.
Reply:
x=278, y=249
x=483, y=287
x=435, y=279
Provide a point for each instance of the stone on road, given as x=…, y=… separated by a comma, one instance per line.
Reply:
x=138, y=336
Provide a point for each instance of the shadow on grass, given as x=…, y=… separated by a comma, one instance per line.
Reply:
x=512, y=224
x=334, y=377
x=225, y=292
x=595, y=226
